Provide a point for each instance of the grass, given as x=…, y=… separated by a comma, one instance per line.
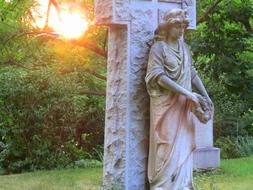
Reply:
x=234, y=174
x=70, y=179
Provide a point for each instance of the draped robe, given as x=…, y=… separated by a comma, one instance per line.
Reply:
x=171, y=125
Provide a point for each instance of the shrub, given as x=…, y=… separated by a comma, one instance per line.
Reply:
x=43, y=120
x=232, y=147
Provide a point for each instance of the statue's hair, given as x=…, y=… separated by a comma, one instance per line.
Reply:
x=171, y=18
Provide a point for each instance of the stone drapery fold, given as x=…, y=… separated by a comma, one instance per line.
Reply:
x=171, y=126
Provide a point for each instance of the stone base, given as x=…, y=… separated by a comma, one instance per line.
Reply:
x=206, y=158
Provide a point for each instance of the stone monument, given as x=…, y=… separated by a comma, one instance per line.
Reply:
x=205, y=156
x=131, y=25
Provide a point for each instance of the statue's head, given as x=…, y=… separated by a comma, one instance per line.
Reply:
x=175, y=22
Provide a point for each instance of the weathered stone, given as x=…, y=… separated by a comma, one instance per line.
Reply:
x=104, y=11
x=206, y=158
x=132, y=23
x=116, y=109
x=205, y=155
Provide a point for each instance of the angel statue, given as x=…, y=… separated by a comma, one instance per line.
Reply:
x=169, y=79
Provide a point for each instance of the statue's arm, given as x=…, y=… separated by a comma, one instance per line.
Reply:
x=196, y=82
x=167, y=83
x=156, y=74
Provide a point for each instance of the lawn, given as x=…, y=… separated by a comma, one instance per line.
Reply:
x=233, y=175
x=70, y=179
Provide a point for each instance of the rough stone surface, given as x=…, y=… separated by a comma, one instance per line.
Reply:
x=132, y=23
x=103, y=11
x=141, y=33
x=190, y=6
x=116, y=110
x=122, y=10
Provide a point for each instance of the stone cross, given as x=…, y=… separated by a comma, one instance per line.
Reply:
x=131, y=25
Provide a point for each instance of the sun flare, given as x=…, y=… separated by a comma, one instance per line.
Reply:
x=69, y=22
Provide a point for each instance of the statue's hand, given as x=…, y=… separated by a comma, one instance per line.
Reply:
x=194, y=98
x=210, y=103
x=202, y=110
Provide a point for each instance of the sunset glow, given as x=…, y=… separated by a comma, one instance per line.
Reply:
x=70, y=22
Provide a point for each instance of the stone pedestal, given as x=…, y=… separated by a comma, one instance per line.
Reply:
x=206, y=156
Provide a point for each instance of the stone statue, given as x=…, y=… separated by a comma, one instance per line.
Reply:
x=169, y=79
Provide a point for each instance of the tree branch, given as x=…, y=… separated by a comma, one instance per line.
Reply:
x=246, y=24
x=83, y=43
x=13, y=63
x=93, y=73
x=58, y=10
x=15, y=36
x=48, y=14
x=91, y=46
x=208, y=11
x=97, y=75
x=106, y=39
x=92, y=92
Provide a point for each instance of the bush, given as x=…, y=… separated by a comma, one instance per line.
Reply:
x=232, y=147
x=247, y=121
x=222, y=53
x=43, y=120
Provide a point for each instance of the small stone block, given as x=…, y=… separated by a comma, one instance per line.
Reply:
x=206, y=158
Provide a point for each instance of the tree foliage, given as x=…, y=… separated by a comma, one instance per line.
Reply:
x=222, y=49
x=49, y=116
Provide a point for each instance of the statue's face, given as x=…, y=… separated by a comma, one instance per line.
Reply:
x=176, y=30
